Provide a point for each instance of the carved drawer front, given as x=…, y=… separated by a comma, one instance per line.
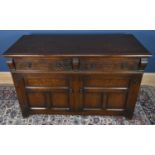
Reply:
x=109, y=64
x=48, y=93
x=55, y=64
x=104, y=93
x=78, y=64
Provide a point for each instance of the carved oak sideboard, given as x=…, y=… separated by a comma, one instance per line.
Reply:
x=77, y=74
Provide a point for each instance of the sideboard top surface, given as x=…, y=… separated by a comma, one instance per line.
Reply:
x=77, y=45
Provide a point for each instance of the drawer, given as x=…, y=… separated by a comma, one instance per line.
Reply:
x=81, y=64
x=55, y=64
x=48, y=92
x=109, y=64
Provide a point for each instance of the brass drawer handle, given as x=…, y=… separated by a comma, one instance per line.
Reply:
x=75, y=64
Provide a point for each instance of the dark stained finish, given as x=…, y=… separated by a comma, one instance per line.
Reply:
x=43, y=45
x=77, y=74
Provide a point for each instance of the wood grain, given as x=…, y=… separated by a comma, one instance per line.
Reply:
x=77, y=74
x=148, y=79
x=68, y=45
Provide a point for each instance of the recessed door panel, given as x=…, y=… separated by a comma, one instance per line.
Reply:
x=105, y=82
x=116, y=100
x=54, y=82
x=60, y=100
x=36, y=99
x=92, y=100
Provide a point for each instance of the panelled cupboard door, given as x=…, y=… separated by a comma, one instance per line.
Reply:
x=46, y=92
x=108, y=93
x=79, y=94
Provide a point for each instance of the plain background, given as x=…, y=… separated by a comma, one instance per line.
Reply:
x=77, y=15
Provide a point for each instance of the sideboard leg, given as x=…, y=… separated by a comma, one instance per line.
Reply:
x=129, y=115
x=25, y=113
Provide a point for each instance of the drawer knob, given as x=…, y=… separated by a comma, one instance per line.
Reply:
x=75, y=64
x=70, y=90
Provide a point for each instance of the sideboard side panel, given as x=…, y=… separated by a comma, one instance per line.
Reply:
x=134, y=87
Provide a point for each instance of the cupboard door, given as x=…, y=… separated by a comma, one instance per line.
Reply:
x=50, y=92
x=100, y=93
x=88, y=64
x=46, y=92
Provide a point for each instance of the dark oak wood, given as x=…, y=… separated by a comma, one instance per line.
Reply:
x=77, y=74
x=108, y=45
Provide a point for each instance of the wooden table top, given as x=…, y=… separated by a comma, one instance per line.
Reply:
x=79, y=45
